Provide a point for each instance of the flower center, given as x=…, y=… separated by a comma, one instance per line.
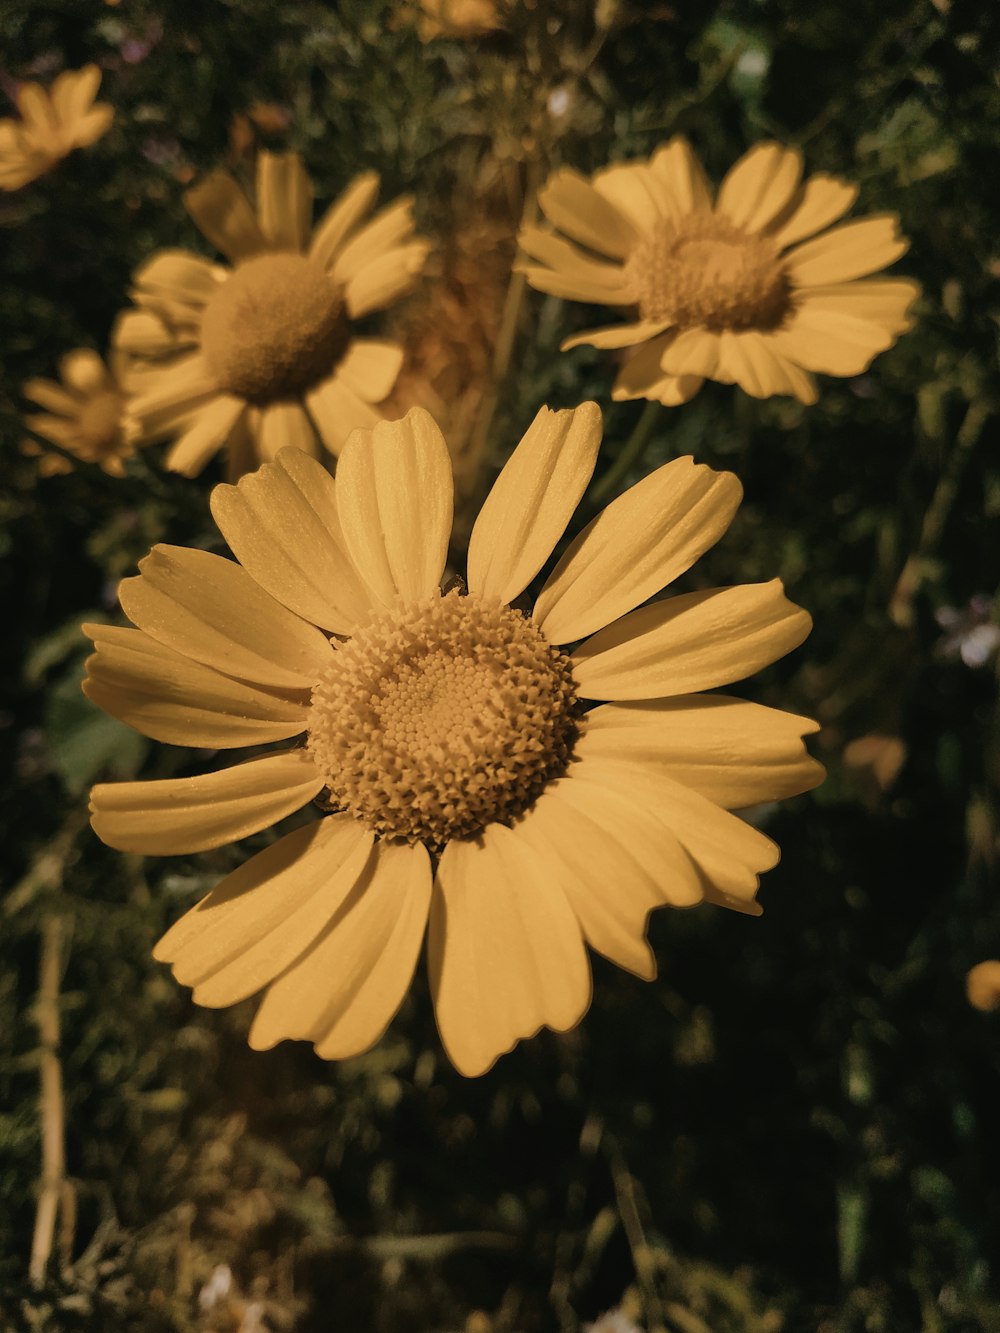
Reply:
x=99, y=425
x=704, y=271
x=274, y=327
x=441, y=717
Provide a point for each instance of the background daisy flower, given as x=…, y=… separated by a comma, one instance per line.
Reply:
x=470, y=791
x=53, y=122
x=262, y=353
x=82, y=414
x=756, y=289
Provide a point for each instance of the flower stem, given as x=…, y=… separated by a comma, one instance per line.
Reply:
x=632, y=451
x=53, y=1181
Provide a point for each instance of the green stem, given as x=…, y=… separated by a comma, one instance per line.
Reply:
x=632, y=451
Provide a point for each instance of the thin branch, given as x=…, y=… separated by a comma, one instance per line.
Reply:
x=51, y=1106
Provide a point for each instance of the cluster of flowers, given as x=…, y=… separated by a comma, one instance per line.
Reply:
x=515, y=787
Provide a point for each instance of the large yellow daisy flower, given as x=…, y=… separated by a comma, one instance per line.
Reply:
x=82, y=414
x=447, y=734
x=262, y=354
x=735, y=291
x=52, y=124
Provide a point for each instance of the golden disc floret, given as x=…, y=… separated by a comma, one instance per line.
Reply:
x=274, y=328
x=442, y=716
x=703, y=271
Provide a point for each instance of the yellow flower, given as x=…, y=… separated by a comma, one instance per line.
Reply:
x=457, y=18
x=982, y=985
x=83, y=415
x=446, y=733
x=262, y=354
x=735, y=292
x=52, y=124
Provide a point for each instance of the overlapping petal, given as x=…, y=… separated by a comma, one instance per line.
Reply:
x=395, y=499
x=505, y=951
x=171, y=698
x=282, y=524
x=342, y=993
x=637, y=545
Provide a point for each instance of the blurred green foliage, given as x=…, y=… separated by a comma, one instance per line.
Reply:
x=795, y=1127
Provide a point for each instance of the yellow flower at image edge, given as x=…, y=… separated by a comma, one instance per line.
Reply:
x=471, y=788
x=735, y=290
x=263, y=354
x=52, y=124
x=83, y=415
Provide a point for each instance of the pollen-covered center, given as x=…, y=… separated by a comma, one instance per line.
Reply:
x=274, y=328
x=703, y=271
x=441, y=717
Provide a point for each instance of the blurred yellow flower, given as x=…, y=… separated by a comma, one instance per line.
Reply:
x=82, y=414
x=52, y=124
x=982, y=985
x=469, y=790
x=457, y=18
x=262, y=354
x=736, y=291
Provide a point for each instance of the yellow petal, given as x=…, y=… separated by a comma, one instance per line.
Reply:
x=342, y=217
x=680, y=174
x=505, y=951
x=74, y=91
x=65, y=402
x=692, y=352
x=370, y=367
x=143, y=333
x=728, y=854
x=689, y=643
x=759, y=186
x=614, y=864
x=167, y=696
x=642, y=377
x=620, y=335
x=637, y=545
x=885, y=301
x=223, y=215
x=90, y=127
x=851, y=251
x=385, y=231
x=395, y=500
x=381, y=281
x=758, y=364
x=733, y=752
x=337, y=411
x=211, y=610
x=284, y=200
x=821, y=337
x=572, y=204
x=283, y=425
x=628, y=186
x=344, y=992
x=570, y=287
x=174, y=395
x=179, y=273
x=282, y=525
x=569, y=261
x=205, y=435
x=532, y=500
x=268, y=913
x=822, y=200
x=166, y=818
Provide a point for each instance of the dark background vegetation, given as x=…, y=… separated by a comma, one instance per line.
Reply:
x=796, y=1127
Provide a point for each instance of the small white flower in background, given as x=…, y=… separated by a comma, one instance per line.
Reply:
x=218, y=1286
x=612, y=1321
x=971, y=633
